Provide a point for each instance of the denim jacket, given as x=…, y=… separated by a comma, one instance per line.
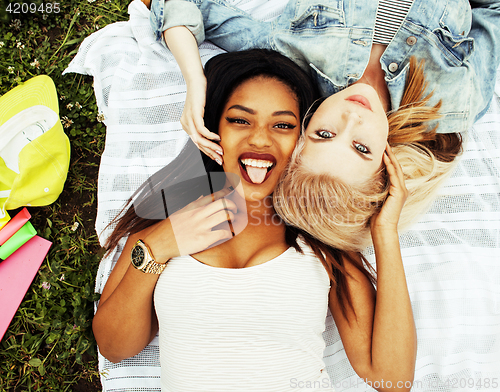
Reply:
x=332, y=39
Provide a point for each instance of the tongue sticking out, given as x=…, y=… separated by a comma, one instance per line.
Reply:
x=256, y=174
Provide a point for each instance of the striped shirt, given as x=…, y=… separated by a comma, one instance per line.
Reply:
x=390, y=16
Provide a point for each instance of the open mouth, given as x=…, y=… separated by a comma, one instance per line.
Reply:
x=256, y=169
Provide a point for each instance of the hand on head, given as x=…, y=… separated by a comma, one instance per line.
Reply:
x=192, y=122
x=388, y=217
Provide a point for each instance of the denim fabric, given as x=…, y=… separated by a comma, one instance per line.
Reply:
x=176, y=13
x=332, y=39
x=156, y=17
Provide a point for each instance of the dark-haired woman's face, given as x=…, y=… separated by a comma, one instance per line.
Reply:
x=259, y=127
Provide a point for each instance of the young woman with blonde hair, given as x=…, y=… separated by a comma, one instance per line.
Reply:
x=369, y=60
x=337, y=209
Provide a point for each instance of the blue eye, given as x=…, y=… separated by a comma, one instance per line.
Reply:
x=361, y=148
x=325, y=134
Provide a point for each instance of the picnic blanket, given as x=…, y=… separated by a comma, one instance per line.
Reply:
x=451, y=255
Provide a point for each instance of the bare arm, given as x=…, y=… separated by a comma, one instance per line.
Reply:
x=184, y=47
x=125, y=321
x=378, y=332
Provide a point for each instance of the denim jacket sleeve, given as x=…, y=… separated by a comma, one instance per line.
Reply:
x=170, y=13
x=485, y=30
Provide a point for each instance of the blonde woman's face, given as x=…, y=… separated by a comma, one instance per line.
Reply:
x=347, y=135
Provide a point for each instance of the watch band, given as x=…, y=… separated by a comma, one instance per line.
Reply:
x=154, y=268
x=149, y=265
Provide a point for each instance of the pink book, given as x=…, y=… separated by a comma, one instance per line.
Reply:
x=14, y=225
x=16, y=274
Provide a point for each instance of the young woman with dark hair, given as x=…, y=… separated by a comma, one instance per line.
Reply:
x=239, y=298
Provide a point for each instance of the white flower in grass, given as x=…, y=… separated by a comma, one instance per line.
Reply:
x=2, y=44
x=20, y=45
x=77, y=105
x=90, y=1
x=10, y=69
x=46, y=285
x=75, y=226
x=69, y=106
x=16, y=23
x=100, y=117
x=62, y=278
x=35, y=63
x=66, y=122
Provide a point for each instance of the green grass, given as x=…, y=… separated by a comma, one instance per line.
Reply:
x=49, y=344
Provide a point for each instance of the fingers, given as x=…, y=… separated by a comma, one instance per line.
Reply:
x=207, y=240
x=396, y=175
x=224, y=216
x=217, y=237
x=202, y=231
x=394, y=162
x=212, y=198
x=211, y=149
x=388, y=216
x=206, y=206
x=219, y=205
x=203, y=131
x=223, y=193
x=194, y=125
x=201, y=136
x=391, y=170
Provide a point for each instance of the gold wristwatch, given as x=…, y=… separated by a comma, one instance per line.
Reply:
x=143, y=260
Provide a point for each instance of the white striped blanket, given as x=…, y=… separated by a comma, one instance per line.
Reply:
x=451, y=255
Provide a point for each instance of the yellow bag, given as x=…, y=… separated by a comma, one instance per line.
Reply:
x=34, y=150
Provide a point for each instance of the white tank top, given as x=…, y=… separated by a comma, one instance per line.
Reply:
x=249, y=329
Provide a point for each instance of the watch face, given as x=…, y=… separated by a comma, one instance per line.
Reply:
x=137, y=256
